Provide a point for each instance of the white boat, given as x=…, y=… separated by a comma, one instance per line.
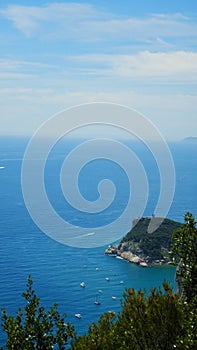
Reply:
x=107, y=279
x=113, y=297
x=97, y=302
x=78, y=316
x=82, y=284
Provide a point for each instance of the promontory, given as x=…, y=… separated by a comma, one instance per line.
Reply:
x=144, y=248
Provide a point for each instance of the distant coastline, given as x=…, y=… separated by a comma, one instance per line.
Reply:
x=190, y=139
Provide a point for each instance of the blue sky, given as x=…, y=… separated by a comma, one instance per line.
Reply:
x=57, y=54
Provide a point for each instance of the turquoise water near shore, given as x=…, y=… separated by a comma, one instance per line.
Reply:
x=57, y=270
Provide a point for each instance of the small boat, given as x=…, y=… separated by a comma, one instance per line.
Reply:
x=78, y=316
x=97, y=302
x=113, y=297
x=107, y=279
x=121, y=282
x=111, y=312
x=100, y=291
x=82, y=284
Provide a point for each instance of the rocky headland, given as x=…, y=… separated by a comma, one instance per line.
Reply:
x=144, y=248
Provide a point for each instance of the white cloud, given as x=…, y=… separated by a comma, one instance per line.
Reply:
x=12, y=64
x=12, y=69
x=87, y=23
x=105, y=72
x=147, y=63
x=29, y=19
x=180, y=66
x=18, y=90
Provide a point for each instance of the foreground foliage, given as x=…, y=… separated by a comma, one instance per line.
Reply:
x=185, y=250
x=144, y=323
x=36, y=328
x=161, y=320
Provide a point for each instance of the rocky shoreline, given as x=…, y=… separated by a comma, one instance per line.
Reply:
x=144, y=247
x=122, y=251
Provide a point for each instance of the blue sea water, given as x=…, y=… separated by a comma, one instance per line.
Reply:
x=57, y=270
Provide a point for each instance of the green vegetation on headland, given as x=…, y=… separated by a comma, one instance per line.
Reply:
x=160, y=321
x=141, y=247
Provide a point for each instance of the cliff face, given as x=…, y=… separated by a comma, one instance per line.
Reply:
x=124, y=251
x=141, y=247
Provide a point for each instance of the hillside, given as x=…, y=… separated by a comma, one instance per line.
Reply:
x=141, y=247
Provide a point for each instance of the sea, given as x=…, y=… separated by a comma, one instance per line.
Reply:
x=58, y=269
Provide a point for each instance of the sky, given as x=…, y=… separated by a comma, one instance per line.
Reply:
x=58, y=54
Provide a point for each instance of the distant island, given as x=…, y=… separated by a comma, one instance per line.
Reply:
x=143, y=248
x=190, y=140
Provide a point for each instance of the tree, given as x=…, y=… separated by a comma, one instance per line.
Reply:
x=184, y=248
x=145, y=323
x=35, y=328
x=100, y=335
